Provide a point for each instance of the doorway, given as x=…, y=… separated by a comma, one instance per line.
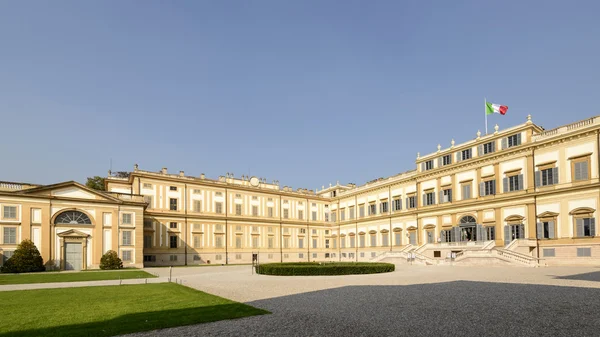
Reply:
x=73, y=256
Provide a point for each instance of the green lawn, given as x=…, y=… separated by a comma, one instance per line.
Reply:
x=47, y=277
x=112, y=310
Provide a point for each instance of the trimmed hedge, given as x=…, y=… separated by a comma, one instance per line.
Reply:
x=326, y=268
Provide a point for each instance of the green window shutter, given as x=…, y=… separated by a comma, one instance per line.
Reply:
x=441, y=197
x=579, y=227
x=480, y=232
x=507, y=238
x=423, y=167
x=407, y=205
x=577, y=172
x=593, y=226
x=521, y=231
x=538, y=178
x=433, y=197
x=555, y=175
x=494, y=146
x=551, y=225
x=518, y=138
x=480, y=150
x=458, y=156
x=520, y=182
x=505, y=184
x=540, y=230
x=424, y=199
x=481, y=189
x=439, y=160
x=504, y=143
x=584, y=170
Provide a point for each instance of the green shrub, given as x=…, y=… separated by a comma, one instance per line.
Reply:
x=25, y=259
x=328, y=268
x=111, y=260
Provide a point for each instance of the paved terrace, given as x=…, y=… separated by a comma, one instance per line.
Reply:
x=412, y=301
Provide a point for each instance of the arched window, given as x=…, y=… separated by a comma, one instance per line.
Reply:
x=467, y=219
x=72, y=218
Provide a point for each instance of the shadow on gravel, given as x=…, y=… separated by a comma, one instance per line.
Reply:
x=593, y=276
x=460, y=308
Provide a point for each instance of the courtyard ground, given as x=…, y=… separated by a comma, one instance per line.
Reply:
x=77, y=276
x=412, y=301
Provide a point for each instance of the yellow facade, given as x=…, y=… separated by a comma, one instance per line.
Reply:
x=524, y=195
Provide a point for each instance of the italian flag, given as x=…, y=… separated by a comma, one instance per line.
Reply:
x=491, y=108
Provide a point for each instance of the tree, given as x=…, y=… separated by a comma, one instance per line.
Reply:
x=96, y=183
x=111, y=260
x=25, y=259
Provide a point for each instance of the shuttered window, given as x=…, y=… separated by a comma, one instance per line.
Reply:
x=585, y=227
x=343, y=242
x=361, y=211
x=300, y=214
x=351, y=212
x=270, y=212
x=486, y=148
x=333, y=216
x=446, y=195
x=466, y=191
x=411, y=202
x=219, y=241
x=238, y=241
x=513, y=183
x=342, y=214
x=584, y=252
x=314, y=243
x=314, y=215
x=429, y=199
x=487, y=188
x=580, y=169
x=398, y=239
x=10, y=235
x=373, y=240
x=300, y=243
x=197, y=241
x=397, y=204
x=384, y=240
x=372, y=209
x=510, y=141
x=270, y=242
x=549, y=252
x=546, y=177
x=254, y=210
x=238, y=209
x=446, y=160
x=352, y=241
x=362, y=241
x=198, y=206
x=546, y=229
x=383, y=207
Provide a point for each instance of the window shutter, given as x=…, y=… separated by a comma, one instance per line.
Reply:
x=540, y=230
x=504, y=143
x=452, y=237
x=577, y=172
x=439, y=162
x=506, y=235
x=579, y=227
x=493, y=189
x=494, y=146
x=422, y=166
x=407, y=205
x=505, y=184
x=584, y=170
x=538, y=178
x=518, y=139
x=442, y=197
x=521, y=231
x=480, y=150
x=555, y=175
x=593, y=226
x=458, y=156
x=551, y=229
x=480, y=236
x=424, y=199
x=433, y=197
x=481, y=189
x=450, y=195
x=520, y=182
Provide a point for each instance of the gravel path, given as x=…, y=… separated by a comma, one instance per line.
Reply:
x=422, y=301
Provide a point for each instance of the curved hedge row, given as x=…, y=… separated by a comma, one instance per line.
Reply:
x=328, y=268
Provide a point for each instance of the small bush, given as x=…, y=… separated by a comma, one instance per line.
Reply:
x=25, y=259
x=111, y=260
x=332, y=268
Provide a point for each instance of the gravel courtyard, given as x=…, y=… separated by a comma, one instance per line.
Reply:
x=412, y=301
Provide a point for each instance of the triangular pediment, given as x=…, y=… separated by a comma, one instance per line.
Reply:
x=73, y=233
x=71, y=190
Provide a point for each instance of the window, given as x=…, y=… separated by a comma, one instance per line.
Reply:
x=343, y=242
x=127, y=255
x=127, y=219
x=511, y=141
x=173, y=258
x=9, y=212
x=352, y=241
x=126, y=238
x=270, y=229
x=327, y=243
x=238, y=196
x=148, y=200
x=361, y=211
x=149, y=258
x=384, y=239
x=314, y=215
x=372, y=209
x=584, y=252
x=238, y=241
x=383, y=206
x=446, y=195
x=10, y=235
x=513, y=183
x=314, y=255
x=173, y=241
x=362, y=240
x=300, y=203
x=333, y=216
x=314, y=232
x=426, y=166
x=300, y=255
x=351, y=212
x=446, y=235
x=300, y=214
x=197, y=241
x=218, y=194
x=286, y=242
x=270, y=242
x=549, y=252
x=585, y=227
x=430, y=237
x=342, y=214
x=147, y=185
x=197, y=227
x=219, y=241
x=397, y=204
x=147, y=223
x=580, y=169
x=238, y=209
x=218, y=228
x=546, y=176
x=254, y=197
x=334, y=193
x=196, y=191
x=270, y=212
x=255, y=229
x=464, y=154
x=466, y=191
x=429, y=198
x=314, y=204
x=172, y=204
x=486, y=148
x=327, y=232
x=218, y=207
x=373, y=240
x=327, y=217
x=172, y=188
x=302, y=230
x=198, y=206
x=147, y=241
x=314, y=243
x=286, y=213
x=254, y=210
x=173, y=225
x=446, y=160
x=487, y=188
x=491, y=232
x=218, y=257
x=397, y=239
x=411, y=202
x=326, y=255
x=196, y=257
x=238, y=256
x=301, y=243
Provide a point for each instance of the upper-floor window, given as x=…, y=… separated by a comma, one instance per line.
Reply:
x=127, y=218
x=342, y=214
x=302, y=230
x=411, y=202
x=314, y=231
x=147, y=185
x=513, y=182
x=238, y=209
x=9, y=212
x=585, y=227
x=487, y=188
x=546, y=176
x=218, y=194
x=126, y=238
x=254, y=210
x=351, y=212
x=254, y=197
x=238, y=196
x=511, y=141
x=426, y=166
x=372, y=209
x=333, y=194
x=333, y=216
x=314, y=204
x=197, y=205
x=218, y=207
x=270, y=212
x=173, y=241
x=173, y=225
x=580, y=168
x=361, y=210
x=172, y=204
x=446, y=195
x=397, y=204
x=172, y=188
x=197, y=191
x=383, y=207
x=486, y=148
x=464, y=155
x=148, y=200
x=429, y=198
x=72, y=217
x=446, y=160
x=10, y=235
x=326, y=217
x=546, y=229
x=300, y=214
x=466, y=189
x=314, y=215
x=286, y=213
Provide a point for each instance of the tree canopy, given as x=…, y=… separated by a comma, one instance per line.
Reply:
x=95, y=182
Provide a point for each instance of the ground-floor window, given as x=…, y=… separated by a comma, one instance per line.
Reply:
x=344, y=255
x=127, y=255
x=238, y=256
x=351, y=255
x=397, y=239
x=218, y=257
x=584, y=252
x=300, y=255
x=549, y=252
x=149, y=258
x=172, y=257
x=373, y=254
x=362, y=254
x=437, y=253
x=412, y=238
x=490, y=232
x=430, y=238
x=326, y=255
x=7, y=254
x=270, y=256
x=445, y=236
x=314, y=255
x=585, y=227
x=196, y=257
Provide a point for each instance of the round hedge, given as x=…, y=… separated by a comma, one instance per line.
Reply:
x=327, y=268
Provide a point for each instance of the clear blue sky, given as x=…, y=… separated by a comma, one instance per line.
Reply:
x=306, y=92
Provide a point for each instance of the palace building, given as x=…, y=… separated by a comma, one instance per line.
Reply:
x=523, y=196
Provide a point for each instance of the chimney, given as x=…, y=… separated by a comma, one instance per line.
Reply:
x=202, y=176
x=164, y=170
x=181, y=173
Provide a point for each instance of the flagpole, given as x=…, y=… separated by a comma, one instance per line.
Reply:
x=485, y=112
